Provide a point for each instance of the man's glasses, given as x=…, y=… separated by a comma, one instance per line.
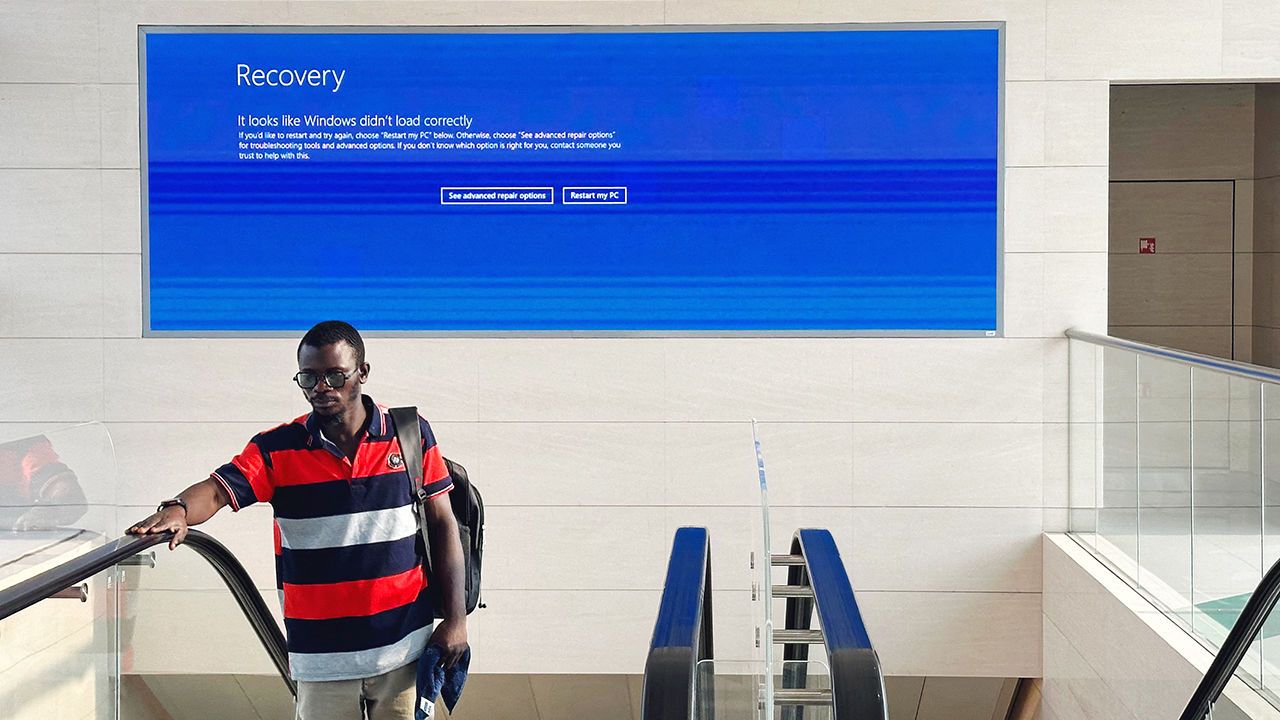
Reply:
x=333, y=378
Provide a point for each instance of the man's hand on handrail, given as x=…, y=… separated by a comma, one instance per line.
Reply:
x=202, y=500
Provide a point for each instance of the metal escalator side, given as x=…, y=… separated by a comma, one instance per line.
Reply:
x=682, y=633
x=67, y=575
x=817, y=580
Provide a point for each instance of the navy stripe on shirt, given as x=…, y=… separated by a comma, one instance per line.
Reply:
x=343, y=564
x=439, y=486
x=238, y=484
x=293, y=436
x=359, y=633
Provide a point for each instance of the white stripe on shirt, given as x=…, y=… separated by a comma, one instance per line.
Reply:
x=361, y=528
x=316, y=667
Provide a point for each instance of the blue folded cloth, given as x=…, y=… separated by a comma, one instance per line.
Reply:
x=435, y=680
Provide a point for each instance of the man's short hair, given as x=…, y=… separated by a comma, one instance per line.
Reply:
x=334, y=331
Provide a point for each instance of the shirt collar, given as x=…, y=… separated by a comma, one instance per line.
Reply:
x=377, y=418
x=377, y=423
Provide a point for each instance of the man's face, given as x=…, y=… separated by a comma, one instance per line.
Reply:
x=338, y=357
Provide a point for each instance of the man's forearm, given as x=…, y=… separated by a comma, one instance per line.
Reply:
x=446, y=567
x=203, y=500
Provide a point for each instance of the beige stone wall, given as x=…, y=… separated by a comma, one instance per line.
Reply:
x=1143, y=666
x=1266, y=213
x=1196, y=166
x=1182, y=172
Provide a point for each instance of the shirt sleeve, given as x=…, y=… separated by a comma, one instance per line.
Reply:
x=247, y=478
x=435, y=473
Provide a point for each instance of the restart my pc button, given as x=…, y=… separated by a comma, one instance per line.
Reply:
x=593, y=196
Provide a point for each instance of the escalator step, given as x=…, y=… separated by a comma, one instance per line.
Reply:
x=798, y=637
x=792, y=591
x=801, y=697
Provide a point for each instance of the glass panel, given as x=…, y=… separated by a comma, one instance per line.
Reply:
x=812, y=675
x=1227, y=500
x=58, y=657
x=162, y=607
x=762, y=609
x=1270, y=460
x=1118, y=496
x=728, y=690
x=57, y=496
x=1084, y=426
x=1164, y=483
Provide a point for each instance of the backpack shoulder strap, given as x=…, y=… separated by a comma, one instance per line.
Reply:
x=410, y=437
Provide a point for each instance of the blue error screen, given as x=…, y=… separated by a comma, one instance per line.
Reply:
x=809, y=180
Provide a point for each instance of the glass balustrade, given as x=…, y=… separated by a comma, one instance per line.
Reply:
x=58, y=658
x=129, y=640
x=1173, y=472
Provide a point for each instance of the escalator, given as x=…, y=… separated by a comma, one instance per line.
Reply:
x=79, y=637
x=680, y=673
x=681, y=680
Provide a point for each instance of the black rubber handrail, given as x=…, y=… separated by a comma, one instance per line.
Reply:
x=682, y=634
x=857, y=682
x=1242, y=635
x=31, y=591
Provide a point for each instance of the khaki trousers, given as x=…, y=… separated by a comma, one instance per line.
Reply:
x=389, y=696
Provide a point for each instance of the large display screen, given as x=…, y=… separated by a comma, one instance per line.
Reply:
x=822, y=180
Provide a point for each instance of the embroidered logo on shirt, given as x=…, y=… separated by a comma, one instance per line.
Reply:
x=394, y=461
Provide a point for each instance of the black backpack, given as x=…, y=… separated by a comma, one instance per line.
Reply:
x=468, y=508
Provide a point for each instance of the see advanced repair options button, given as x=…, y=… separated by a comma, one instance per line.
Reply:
x=497, y=196
x=593, y=196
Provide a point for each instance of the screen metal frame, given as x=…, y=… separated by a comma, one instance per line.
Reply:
x=145, y=30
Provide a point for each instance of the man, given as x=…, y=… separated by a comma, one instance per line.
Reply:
x=357, y=613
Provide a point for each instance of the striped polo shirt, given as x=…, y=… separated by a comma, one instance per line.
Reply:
x=349, y=574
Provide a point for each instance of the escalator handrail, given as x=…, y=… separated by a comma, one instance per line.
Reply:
x=682, y=633
x=1242, y=636
x=31, y=591
x=857, y=681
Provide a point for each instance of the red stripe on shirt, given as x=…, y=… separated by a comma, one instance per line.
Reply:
x=253, y=468
x=356, y=598
x=433, y=468
x=305, y=466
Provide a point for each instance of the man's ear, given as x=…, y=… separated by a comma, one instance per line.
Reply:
x=364, y=372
